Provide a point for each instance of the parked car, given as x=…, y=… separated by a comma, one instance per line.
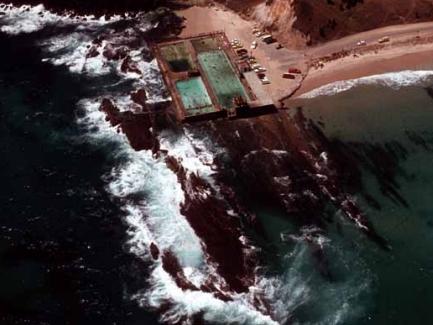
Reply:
x=294, y=70
x=288, y=76
x=265, y=81
x=384, y=39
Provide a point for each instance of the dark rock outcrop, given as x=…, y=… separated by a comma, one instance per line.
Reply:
x=219, y=231
x=139, y=97
x=137, y=127
x=171, y=266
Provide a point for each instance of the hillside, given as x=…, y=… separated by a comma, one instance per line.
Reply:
x=294, y=22
x=314, y=21
x=331, y=19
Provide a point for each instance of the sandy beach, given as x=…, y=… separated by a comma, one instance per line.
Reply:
x=410, y=48
x=398, y=59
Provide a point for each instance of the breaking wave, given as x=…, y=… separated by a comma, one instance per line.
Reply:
x=29, y=19
x=147, y=190
x=151, y=196
x=394, y=80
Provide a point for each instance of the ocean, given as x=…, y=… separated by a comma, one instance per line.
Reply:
x=80, y=209
x=387, y=126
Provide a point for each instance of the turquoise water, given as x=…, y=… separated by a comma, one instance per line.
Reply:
x=194, y=95
x=222, y=77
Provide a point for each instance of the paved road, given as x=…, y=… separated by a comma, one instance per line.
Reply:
x=398, y=32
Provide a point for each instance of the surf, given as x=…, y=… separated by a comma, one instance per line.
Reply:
x=394, y=80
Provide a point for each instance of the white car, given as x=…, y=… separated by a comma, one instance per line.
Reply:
x=254, y=45
x=361, y=43
x=265, y=81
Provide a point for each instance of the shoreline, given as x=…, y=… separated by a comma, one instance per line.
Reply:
x=354, y=68
x=410, y=48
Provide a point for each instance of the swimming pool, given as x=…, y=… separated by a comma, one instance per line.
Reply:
x=177, y=57
x=222, y=77
x=194, y=95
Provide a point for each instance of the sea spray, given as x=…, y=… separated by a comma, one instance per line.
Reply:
x=394, y=80
x=29, y=19
x=151, y=198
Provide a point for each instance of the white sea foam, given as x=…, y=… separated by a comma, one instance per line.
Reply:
x=394, y=80
x=189, y=303
x=183, y=149
x=148, y=191
x=331, y=303
x=26, y=19
x=150, y=79
x=151, y=197
x=71, y=50
x=29, y=19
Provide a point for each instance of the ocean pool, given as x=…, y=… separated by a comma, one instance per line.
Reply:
x=194, y=95
x=222, y=77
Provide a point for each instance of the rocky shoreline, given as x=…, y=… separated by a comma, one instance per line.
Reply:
x=277, y=158
x=282, y=159
x=96, y=7
x=214, y=216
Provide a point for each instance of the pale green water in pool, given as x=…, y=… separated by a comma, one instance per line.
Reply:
x=222, y=77
x=194, y=95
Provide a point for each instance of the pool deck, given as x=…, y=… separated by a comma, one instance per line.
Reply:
x=256, y=96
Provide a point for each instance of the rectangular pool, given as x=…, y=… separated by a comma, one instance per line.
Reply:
x=195, y=97
x=222, y=77
x=178, y=57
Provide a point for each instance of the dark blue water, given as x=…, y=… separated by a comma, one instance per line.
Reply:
x=62, y=259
